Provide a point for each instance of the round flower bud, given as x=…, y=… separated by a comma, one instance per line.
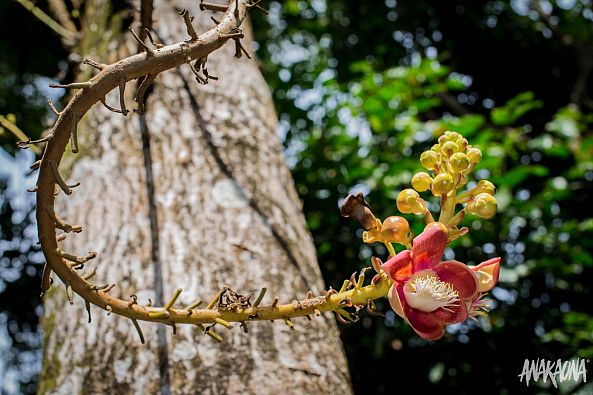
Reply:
x=408, y=201
x=485, y=186
x=474, y=155
x=452, y=136
x=443, y=139
x=436, y=148
x=449, y=148
x=428, y=159
x=442, y=183
x=483, y=205
x=396, y=230
x=421, y=181
x=459, y=162
x=461, y=144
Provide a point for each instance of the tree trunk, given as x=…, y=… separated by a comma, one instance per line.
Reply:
x=197, y=197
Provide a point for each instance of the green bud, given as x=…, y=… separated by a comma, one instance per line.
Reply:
x=429, y=159
x=421, y=181
x=452, y=136
x=442, y=183
x=459, y=162
x=461, y=144
x=408, y=201
x=485, y=186
x=449, y=148
x=483, y=205
x=474, y=155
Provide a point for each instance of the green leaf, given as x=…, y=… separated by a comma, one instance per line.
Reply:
x=514, y=109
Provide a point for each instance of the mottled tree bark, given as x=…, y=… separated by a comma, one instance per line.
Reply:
x=198, y=197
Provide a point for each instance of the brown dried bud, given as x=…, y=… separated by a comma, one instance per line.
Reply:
x=357, y=208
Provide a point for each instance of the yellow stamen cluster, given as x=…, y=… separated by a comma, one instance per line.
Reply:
x=428, y=293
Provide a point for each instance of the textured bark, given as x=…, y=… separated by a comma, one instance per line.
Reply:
x=226, y=213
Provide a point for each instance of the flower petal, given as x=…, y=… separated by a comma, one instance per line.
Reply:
x=427, y=325
x=429, y=246
x=399, y=267
x=460, y=276
x=487, y=274
x=454, y=315
x=394, y=301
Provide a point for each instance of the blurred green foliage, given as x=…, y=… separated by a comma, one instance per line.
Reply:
x=361, y=89
x=359, y=103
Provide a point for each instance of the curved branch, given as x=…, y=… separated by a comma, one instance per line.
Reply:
x=223, y=309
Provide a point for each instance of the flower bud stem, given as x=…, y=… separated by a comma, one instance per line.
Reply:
x=390, y=248
x=448, y=208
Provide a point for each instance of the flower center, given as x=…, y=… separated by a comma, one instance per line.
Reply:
x=427, y=293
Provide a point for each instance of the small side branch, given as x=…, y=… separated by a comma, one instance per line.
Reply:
x=26, y=144
x=149, y=51
x=77, y=262
x=149, y=35
x=261, y=295
x=58, y=178
x=239, y=49
x=45, y=279
x=173, y=299
x=74, y=85
x=35, y=165
x=122, y=97
x=231, y=35
x=74, y=135
x=69, y=293
x=89, y=275
x=60, y=223
x=99, y=66
x=188, y=19
x=137, y=326
x=107, y=106
x=212, y=7
x=199, y=78
x=194, y=305
x=53, y=108
x=87, y=305
x=256, y=5
x=141, y=93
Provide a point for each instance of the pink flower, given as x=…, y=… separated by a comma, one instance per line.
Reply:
x=431, y=294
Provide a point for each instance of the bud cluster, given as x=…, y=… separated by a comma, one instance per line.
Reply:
x=448, y=165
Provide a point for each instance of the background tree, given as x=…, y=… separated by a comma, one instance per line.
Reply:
x=197, y=197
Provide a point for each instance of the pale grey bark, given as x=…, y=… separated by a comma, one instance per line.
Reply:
x=227, y=214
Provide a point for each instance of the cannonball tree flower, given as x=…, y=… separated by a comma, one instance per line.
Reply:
x=426, y=292
x=431, y=294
